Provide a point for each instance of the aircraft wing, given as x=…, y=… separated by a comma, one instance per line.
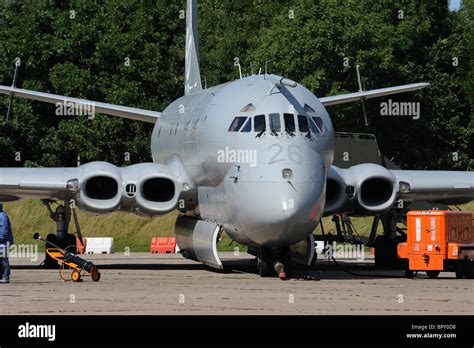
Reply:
x=41, y=183
x=350, y=97
x=100, y=187
x=369, y=189
x=449, y=187
x=99, y=107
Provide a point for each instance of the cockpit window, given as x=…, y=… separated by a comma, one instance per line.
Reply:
x=308, y=108
x=195, y=124
x=320, y=123
x=314, y=128
x=275, y=123
x=237, y=123
x=186, y=127
x=259, y=124
x=303, y=124
x=247, y=126
x=289, y=122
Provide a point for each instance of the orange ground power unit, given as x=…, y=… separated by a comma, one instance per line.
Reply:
x=439, y=240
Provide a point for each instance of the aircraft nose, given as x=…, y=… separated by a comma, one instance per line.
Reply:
x=286, y=208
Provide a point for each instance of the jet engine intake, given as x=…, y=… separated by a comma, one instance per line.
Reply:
x=158, y=190
x=336, y=198
x=99, y=189
x=156, y=193
x=376, y=189
x=362, y=189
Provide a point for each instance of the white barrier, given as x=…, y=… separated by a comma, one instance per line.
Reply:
x=319, y=246
x=96, y=245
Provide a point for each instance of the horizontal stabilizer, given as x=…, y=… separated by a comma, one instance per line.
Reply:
x=98, y=107
x=351, y=97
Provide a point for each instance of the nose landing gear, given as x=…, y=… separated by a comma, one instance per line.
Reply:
x=279, y=268
x=275, y=261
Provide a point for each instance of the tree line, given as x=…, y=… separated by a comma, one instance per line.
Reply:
x=132, y=53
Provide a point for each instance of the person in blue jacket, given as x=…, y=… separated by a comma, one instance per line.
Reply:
x=6, y=239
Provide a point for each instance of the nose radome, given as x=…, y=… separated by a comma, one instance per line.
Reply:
x=290, y=216
x=283, y=211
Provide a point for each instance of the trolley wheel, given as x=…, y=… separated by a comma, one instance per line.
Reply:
x=432, y=274
x=409, y=274
x=76, y=276
x=95, y=274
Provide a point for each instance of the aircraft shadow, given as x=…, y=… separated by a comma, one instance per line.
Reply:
x=322, y=270
x=132, y=266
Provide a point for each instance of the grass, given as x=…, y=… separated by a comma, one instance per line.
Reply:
x=129, y=230
x=363, y=224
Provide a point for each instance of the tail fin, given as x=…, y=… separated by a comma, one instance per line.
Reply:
x=192, y=78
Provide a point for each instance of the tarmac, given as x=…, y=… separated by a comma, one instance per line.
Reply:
x=141, y=283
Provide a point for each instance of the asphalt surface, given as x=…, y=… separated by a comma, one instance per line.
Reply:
x=141, y=283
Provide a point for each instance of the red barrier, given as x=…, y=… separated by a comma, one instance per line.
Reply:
x=163, y=245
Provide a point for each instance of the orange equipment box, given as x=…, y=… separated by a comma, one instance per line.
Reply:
x=439, y=240
x=163, y=245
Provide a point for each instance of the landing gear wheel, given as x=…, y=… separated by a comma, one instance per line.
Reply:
x=409, y=274
x=469, y=269
x=76, y=276
x=385, y=253
x=49, y=262
x=265, y=268
x=432, y=274
x=459, y=271
x=95, y=274
x=287, y=262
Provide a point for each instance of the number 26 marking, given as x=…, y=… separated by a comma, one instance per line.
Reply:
x=294, y=154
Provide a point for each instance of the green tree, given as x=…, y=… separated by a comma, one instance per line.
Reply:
x=132, y=53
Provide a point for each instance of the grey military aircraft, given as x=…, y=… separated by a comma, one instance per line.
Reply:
x=252, y=157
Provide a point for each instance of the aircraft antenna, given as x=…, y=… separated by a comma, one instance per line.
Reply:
x=251, y=68
x=361, y=89
x=15, y=78
x=237, y=64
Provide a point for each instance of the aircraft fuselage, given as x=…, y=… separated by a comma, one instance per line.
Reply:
x=266, y=181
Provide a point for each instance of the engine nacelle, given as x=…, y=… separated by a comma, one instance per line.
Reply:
x=98, y=187
x=145, y=188
x=362, y=189
x=150, y=189
x=338, y=181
